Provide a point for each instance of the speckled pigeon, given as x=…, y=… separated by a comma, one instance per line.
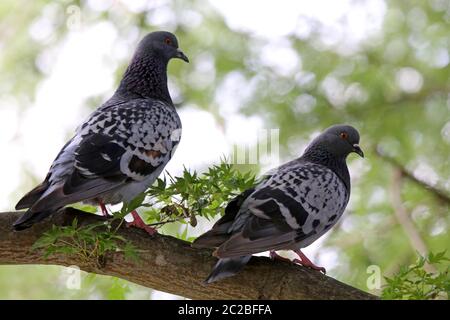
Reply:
x=292, y=207
x=122, y=147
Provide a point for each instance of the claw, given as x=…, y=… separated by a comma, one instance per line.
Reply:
x=105, y=212
x=275, y=256
x=139, y=223
x=304, y=261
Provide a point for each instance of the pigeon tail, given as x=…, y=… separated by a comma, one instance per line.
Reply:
x=211, y=239
x=227, y=267
x=31, y=197
x=29, y=218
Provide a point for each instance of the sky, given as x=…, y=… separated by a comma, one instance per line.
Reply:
x=31, y=138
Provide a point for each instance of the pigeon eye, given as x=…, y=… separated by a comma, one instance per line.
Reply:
x=343, y=135
x=168, y=41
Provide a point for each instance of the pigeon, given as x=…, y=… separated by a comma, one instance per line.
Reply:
x=123, y=146
x=290, y=208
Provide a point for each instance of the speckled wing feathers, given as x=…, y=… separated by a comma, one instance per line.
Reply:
x=117, y=145
x=290, y=210
x=144, y=132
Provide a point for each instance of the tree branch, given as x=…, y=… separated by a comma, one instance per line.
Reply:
x=171, y=265
x=404, y=218
x=437, y=192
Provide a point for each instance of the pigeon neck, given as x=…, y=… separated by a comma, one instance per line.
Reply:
x=323, y=157
x=146, y=77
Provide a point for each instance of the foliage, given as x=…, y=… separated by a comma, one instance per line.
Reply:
x=415, y=283
x=118, y=290
x=184, y=198
x=90, y=243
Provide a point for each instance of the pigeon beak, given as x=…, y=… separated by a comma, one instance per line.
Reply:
x=180, y=55
x=358, y=150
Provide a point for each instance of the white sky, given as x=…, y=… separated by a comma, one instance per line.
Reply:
x=84, y=63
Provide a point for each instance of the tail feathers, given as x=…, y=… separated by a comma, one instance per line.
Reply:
x=31, y=197
x=211, y=239
x=57, y=197
x=227, y=267
x=29, y=218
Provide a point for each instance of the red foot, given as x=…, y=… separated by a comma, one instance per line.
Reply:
x=105, y=212
x=275, y=256
x=304, y=261
x=139, y=223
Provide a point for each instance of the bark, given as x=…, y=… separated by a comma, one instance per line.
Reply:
x=171, y=265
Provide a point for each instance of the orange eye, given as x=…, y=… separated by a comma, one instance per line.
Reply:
x=168, y=41
x=343, y=135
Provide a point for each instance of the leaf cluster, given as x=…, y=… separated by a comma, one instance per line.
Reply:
x=415, y=283
x=88, y=243
x=193, y=195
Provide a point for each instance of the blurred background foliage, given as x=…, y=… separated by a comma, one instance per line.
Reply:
x=382, y=66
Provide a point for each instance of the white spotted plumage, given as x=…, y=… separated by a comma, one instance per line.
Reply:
x=317, y=192
x=141, y=127
x=292, y=207
x=123, y=146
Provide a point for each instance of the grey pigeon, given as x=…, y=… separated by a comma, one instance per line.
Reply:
x=289, y=209
x=120, y=150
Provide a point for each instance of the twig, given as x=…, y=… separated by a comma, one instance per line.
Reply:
x=435, y=191
x=164, y=222
x=404, y=219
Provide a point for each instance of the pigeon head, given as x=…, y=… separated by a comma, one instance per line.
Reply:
x=331, y=149
x=146, y=76
x=339, y=141
x=163, y=44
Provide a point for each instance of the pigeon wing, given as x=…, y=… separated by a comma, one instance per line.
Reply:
x=117, y=145
x=219, y=233
x=290, y=210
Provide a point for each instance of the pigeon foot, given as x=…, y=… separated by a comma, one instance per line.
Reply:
x=105, y=212
x=304, y=261
x=275, y=256
x=139, y=223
